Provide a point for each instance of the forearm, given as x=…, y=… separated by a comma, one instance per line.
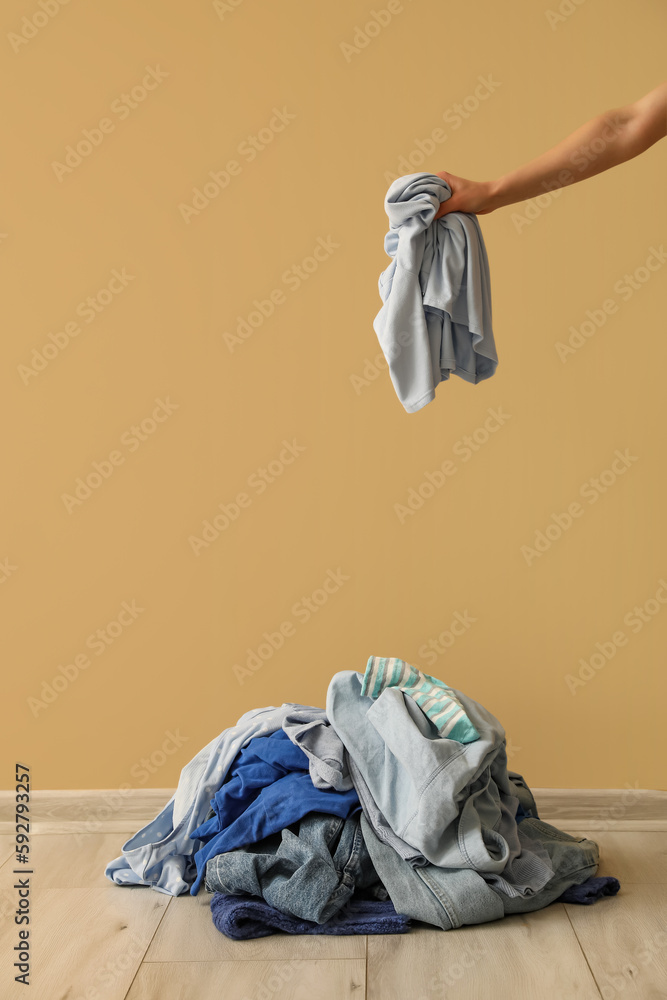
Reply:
x=601, y=143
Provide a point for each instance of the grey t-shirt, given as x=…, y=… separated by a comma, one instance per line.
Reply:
x=436, y=314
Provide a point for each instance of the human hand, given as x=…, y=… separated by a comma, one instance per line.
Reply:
x=475, y=197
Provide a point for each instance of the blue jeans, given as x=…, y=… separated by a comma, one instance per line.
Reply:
x=310, y=869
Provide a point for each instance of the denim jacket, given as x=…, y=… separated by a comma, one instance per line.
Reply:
x=454, y=804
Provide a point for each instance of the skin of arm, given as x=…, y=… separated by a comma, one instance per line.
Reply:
x=603, y=142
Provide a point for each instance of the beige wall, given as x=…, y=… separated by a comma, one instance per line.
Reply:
x=218, y=76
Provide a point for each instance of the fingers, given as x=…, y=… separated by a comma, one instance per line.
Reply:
x=451, y=205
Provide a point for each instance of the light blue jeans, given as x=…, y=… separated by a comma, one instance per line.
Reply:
x=450, y=898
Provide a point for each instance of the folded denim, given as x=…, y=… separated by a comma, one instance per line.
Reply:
x=243, y=917
x=161, y=854
x=453, y=897
x=453, y=804
x=310, y=870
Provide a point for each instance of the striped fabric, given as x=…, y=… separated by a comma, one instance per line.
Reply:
x=435, y=699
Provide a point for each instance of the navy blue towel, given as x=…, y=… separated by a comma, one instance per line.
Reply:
x=244, y=917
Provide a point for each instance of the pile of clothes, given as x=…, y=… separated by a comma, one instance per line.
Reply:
x=394, y=805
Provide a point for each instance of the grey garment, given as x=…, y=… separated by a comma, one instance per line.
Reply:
x=323, y=747
x=309, y=870
x=450, y=898
x=436, y=293
x=452, y=803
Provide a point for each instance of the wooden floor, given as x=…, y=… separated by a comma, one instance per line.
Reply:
x=92, y=940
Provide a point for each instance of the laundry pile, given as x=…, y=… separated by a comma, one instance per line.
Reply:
x=393, y=805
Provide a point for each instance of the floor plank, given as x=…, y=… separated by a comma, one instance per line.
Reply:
x=531, y=957
x=295, y=980
x=187, y=934
x=75, y=860
x=625, y=941
x=85, y=942
x=7, y=843
x=631, y=857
